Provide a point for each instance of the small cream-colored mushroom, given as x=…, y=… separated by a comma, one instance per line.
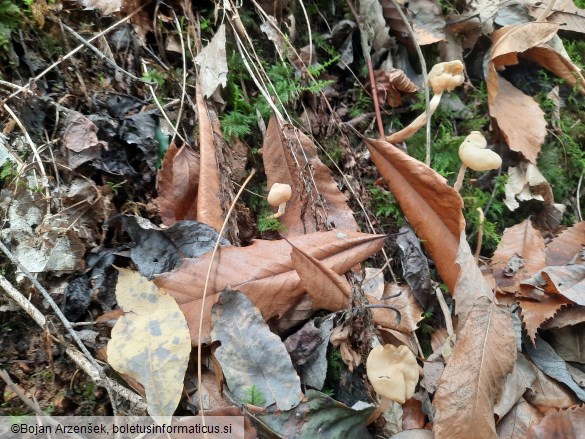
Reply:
x=474, y=155
x=394, y=373
x=443, y=77
x=279, y=194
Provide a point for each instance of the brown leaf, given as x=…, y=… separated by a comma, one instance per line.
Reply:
x=565, y=247
x=564, y=12
x=263, y=271
x=471, y=283
x=546, y=392
x=390, y=84
x=328, y=290
x=80, y=140
x=524, y=241
x=568, y=281
x=432, y=207
x=534, y=313
x=428, y=22
x=518, y=116
x=568, y=316
x=472, y=380
x=411, y=312
x=568, y=424
x=177, y=183
x=209, y=209
x=517, y=422
x=316, y=204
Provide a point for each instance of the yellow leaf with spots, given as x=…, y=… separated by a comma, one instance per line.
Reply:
x=150, y=342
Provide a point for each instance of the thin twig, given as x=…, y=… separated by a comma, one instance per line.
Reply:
x=184, y=83
x=445, y=310
x=30, y=404
x=479, y=234
x=579, y=196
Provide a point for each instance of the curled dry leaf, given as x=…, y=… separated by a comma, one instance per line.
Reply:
x=524, y=241
x=568, y=424
x=518, y=116
x=150, y=342
x=389, y=86
x=432, y=207
x=291, y=158
x=568, y=281
x=177, y=183
x=472, y=381
x=340, y=339
x=525, y=182
x=263, y=271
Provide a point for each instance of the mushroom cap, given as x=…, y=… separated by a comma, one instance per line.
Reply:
x=446, y=76
x=279, y=193
x=474, y=155
x=393, y=372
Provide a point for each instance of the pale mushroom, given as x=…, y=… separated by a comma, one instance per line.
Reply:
x=445, y=76
x=474, y=155
x=279, y=194
x=394, y=373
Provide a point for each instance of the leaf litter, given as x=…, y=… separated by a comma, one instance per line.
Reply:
x=286, y=308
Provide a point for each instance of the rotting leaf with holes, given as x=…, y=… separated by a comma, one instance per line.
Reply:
x=177, y=183
x=472, y=381
x=263, y=271
x=250, y=355
x=432, y=207
x=150, y=342
x=291, y=158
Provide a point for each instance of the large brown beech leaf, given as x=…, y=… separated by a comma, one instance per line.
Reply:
x=177, y=183
x=472, y=381
x=524, y=241
x=316, y=204
x=432, y=207
x=567, y=424
x=565, y=247
x=263, y=271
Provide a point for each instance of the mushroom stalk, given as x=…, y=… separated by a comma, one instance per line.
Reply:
x=384, y=405
x=409, y=131
x=460, y=177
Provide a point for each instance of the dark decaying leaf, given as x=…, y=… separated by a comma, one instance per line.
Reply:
x=415, y=266
x=263, y=271
x=320, y=416
x=157, y=250
x=302, y=344
x=314, y=371
x=251, y=355
x=472, y=381
x=432, y=207
x=548, y=361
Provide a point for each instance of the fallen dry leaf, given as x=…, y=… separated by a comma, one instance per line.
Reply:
x=428, y=22
x=520, y=379
x=212, y=62
x=251, y=355
x=177, y=183
x=263, y=271
x=518, y=420
x=150, y=342
x=291, y=158
x=411, y=312
x=525, y=182
x=525, y=242
x=536, y=312
x=568, y=424
x=563, y=249
x=547, y=393
x=390, y=84
x=564, y=12
x=328, y=290
x=472, y=380
x=568, y=281
x=518, y=116
x=432, y=207
x=80, y=140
